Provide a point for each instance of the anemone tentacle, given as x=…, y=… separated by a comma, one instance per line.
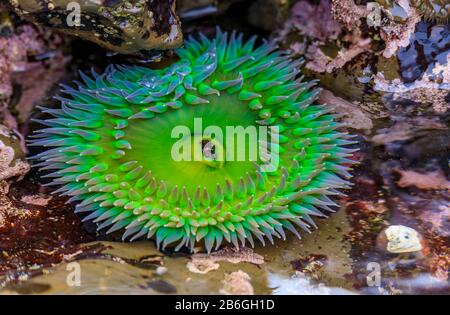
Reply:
x=109, y=147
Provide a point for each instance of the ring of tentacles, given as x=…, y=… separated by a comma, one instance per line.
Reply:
x=108, y=147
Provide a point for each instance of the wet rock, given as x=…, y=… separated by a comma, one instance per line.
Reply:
x=393, y=21
x=36, y=235
x=353, y=82
x=415, y=172
x=338, y=56
x=428, y=181
x=428, y=47
x=122, y=26
x=426, y=98
x=109, y=272
x=308, y=28
x=426, y=212
x=432, y=10
x=352, y=115
x=368, y=218
x=268, y=14
x=31, y=63
x=436, y=217
x=439, y=266
x=424, y=68
x=397, y=34
x=348, y=13
x=417, y=143
x=12, y=157
x=313, y=21
x=326, y=54
x=6, y=25
x=381, y=56
x=407, y=124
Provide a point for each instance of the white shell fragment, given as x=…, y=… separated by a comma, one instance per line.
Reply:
x=402, y=239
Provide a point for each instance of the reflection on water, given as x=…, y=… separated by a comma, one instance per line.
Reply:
x=299, y=284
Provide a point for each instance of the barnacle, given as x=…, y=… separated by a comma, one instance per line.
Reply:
x=110, y=147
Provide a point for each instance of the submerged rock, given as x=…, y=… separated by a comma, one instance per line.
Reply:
x=237, y=283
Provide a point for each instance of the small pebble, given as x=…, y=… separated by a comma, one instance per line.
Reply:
x=160, y=271
x=399, y=239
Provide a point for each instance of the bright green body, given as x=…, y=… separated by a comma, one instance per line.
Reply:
x=111, y=147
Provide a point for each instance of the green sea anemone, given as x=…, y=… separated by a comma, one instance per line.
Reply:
x=111, y=147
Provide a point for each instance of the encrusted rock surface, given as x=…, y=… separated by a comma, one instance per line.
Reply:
x=126, y=26
x=12, y=158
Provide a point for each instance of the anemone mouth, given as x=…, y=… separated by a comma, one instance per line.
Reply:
x=160, y=136
x=113, y=142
